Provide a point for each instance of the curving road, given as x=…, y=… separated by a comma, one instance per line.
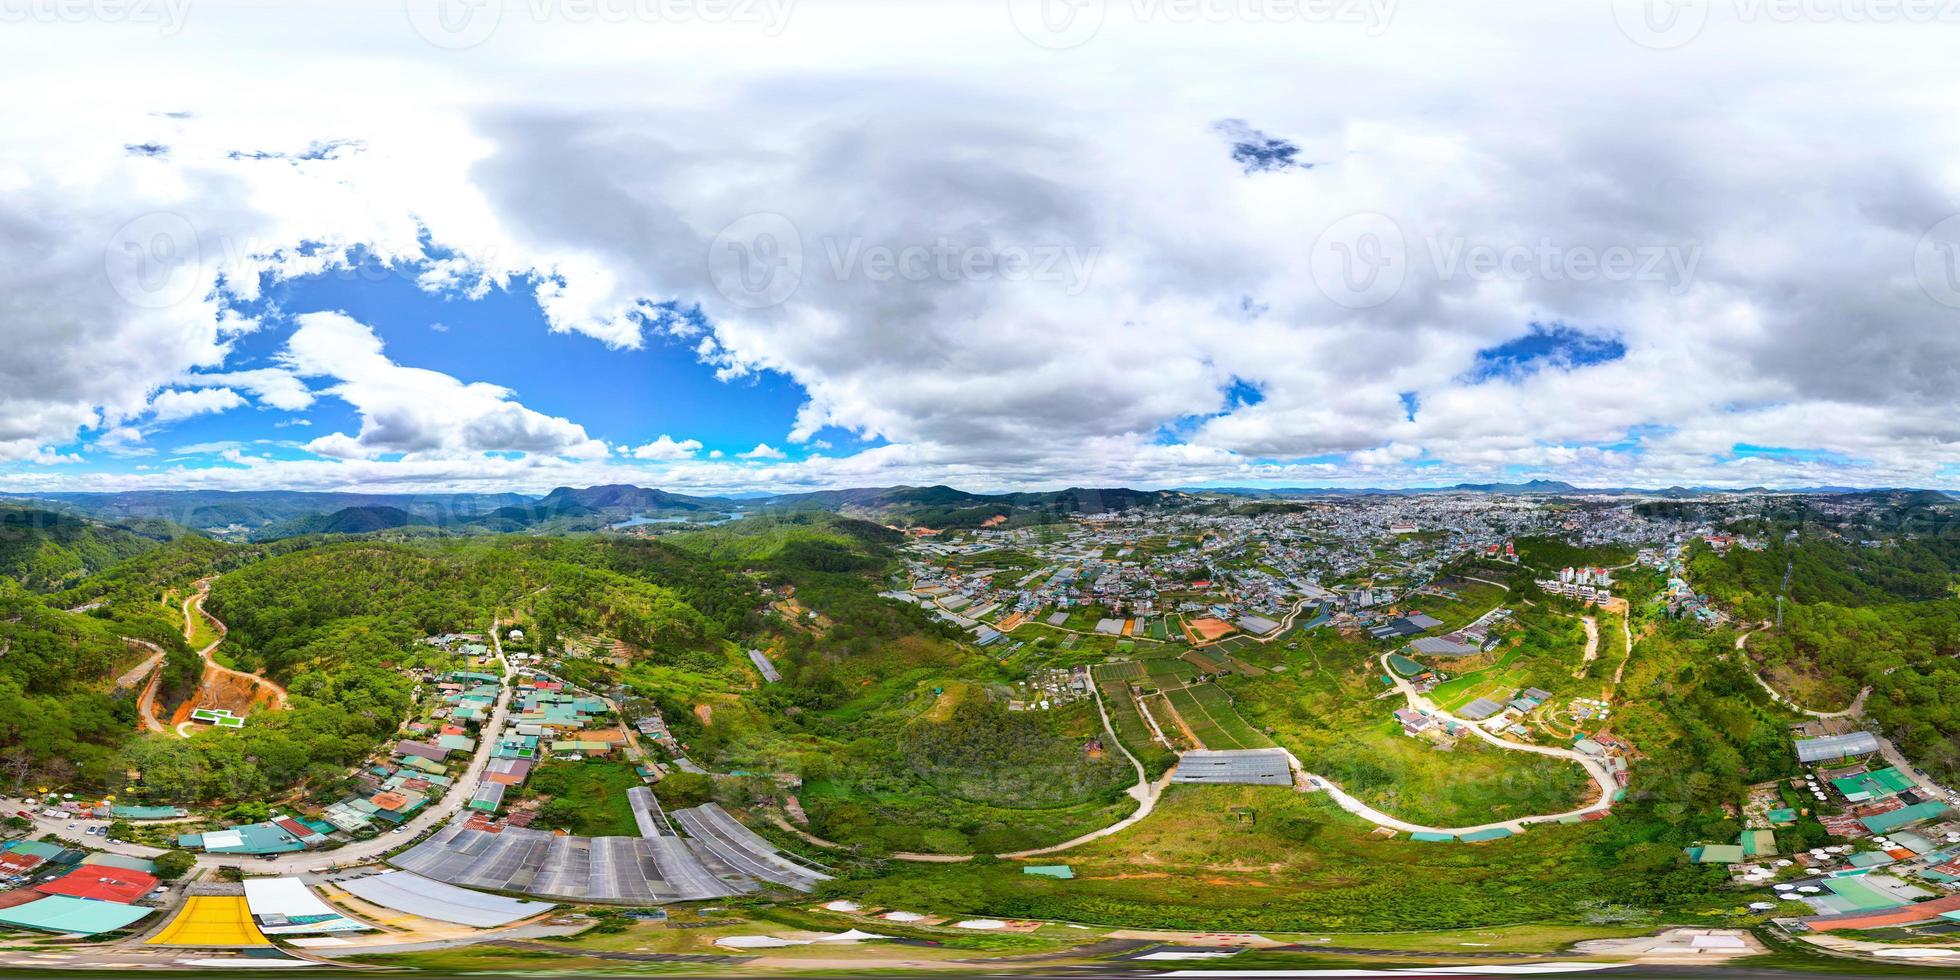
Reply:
x=1608, y=786
x=211, y=665
x=1749, y=666
x=358, y=852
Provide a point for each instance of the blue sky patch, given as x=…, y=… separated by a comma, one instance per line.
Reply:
x=1257, y=152
x=1553, y=345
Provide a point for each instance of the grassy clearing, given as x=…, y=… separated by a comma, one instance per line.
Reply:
x=1302, y=864
x=588, y=798
x=1325, y=708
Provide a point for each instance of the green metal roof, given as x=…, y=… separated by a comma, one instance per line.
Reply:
x=1720, y=854
x=1885, y=823
x=61, y=913
x=35, y=848
x=1049, y=870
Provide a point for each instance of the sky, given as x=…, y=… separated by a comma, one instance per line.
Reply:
x=726, y=245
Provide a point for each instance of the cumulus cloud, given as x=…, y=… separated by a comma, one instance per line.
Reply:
x=271, y=386
x=177, y=404
x=417, y=412
x=1017, y=269
x=664, y=448
x=763, y=450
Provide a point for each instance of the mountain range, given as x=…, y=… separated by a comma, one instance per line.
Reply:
x=270, y=514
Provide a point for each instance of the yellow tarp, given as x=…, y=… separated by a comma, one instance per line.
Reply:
x=211, y=920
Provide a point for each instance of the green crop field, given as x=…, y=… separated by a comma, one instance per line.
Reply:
x=1119, y=699
x=1122, y=670
x=1163, y=671
x=1198, y=720
x=1218, y=705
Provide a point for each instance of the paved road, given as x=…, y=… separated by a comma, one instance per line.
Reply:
x=356, y=853
x=1144, y=792
x=1608, y=786
x=142, y=670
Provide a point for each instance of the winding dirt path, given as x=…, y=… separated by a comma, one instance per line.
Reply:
x=1626, y=635
x=212, y=666
x=146, y=703
x=1856, y=709
x=1592, y=646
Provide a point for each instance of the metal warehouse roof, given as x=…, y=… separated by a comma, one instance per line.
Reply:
x=103, y=884
x=1263, y=767
x=1836, y=747
x=285, y=905
x=405, y=891
x=60, y=913
x=1885, y=823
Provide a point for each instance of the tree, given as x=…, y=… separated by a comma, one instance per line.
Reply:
x=685, y=789
x=172, y=865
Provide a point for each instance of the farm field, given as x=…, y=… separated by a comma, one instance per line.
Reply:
x=1218, y=705
x=1301, y=864
x=1208, y=712
x=588, y=798
x=1119, y=699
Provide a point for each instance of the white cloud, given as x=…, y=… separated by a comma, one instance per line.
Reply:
x=1802, y=326
x=664, y=448
x=272, y=386
x=178, y=404
x=763, y=450
x=414, y=411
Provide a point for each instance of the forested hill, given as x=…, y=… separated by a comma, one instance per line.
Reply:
x=348, y=520
x=946, y=507
x=58, y=713
x=1883, y=616
x=46, y=550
